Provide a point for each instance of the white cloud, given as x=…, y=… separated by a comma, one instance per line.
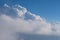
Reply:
x=6, y=5
x=20, y=10
x=9, y=25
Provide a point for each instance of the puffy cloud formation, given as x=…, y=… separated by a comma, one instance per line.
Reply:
x=18, y=19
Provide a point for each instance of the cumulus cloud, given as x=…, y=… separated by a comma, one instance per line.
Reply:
x=23, y=22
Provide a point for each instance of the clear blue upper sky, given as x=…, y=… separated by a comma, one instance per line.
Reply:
x=49, y=9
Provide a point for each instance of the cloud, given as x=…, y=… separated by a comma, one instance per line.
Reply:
x=20, y=10
x=18, y=19
x=6, y=5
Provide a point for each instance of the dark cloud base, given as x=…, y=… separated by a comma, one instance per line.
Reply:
x=36, y=37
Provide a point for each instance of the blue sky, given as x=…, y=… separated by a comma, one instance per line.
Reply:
x=48, y=9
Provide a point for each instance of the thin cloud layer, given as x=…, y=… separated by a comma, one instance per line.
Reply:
x=18, y=19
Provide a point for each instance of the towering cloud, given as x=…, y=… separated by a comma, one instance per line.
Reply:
x=18, y=19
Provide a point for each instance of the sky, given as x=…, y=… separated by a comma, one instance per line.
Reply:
x=48, y=9
x=29, y=20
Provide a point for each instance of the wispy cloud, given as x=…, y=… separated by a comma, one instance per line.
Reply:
x=24, y=22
